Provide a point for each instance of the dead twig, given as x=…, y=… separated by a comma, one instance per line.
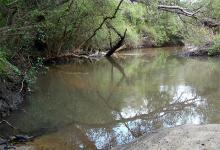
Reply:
x=9, y=124
x=22, y=85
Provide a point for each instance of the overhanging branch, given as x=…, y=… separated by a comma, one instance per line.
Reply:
x=103, y=22
x=209, y=22
x=177, y=10
x=117, y=45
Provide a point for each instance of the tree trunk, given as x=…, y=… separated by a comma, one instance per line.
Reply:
x=117, y=45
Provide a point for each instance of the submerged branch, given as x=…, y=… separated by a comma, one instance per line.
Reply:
x=65, y=57
x=117, y=45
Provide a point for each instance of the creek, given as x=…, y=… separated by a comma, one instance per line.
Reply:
x=115, y=101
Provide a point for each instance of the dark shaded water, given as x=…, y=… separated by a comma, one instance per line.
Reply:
x=114, y=101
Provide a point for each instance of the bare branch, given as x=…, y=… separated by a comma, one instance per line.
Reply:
x=209, y=22
x=103, y=22
x=9, y=124
x=117, y=45
x=177, y=10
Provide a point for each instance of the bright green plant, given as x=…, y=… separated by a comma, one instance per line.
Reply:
x=7, y=70
x=31, y=75
x=215, y=49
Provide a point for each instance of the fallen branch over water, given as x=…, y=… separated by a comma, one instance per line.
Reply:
x=208, y=22
x=177, y=10
x=117, y=45
x=108, y=53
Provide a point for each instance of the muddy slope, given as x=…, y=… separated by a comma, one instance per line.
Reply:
x=10, y=95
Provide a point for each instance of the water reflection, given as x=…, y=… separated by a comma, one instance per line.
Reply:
x=112, y=102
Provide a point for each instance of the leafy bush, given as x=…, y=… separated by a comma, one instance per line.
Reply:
x=215, y=49
x=31, y=75
x=197, y=35
x=6, y=68
x=64, y=27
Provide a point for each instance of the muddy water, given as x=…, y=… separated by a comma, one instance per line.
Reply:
x=114, y=101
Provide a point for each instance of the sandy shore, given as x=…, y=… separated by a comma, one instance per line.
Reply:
x=187, y=137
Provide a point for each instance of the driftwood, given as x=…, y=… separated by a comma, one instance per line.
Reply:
x=65, y=57
x=109, y=52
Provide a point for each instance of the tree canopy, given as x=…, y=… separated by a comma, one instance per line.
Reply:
x=49, y=28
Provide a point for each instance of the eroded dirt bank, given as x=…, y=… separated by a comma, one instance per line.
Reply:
x=199, y=51
x=182, y=138
x=11, y=94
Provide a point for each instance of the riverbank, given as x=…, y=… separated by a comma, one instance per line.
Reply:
x=12, y=87
x=182, y=137
x=205, y=50
x=11, y=95
x=83, y=89
x=177, y=138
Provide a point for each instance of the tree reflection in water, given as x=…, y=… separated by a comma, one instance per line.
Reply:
x=97, y=106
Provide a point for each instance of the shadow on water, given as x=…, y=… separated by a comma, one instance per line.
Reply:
x=114, y=101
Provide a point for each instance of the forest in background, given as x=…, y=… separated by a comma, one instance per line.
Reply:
x=33, y=31
x=38, y=33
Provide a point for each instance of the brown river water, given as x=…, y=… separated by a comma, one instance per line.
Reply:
x=114, y=101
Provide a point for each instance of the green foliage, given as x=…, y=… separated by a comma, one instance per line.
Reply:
x=215, y=49
x=197, y=35
x=65, y=27
x=36, y=13
x=7, y=70
x=157, y=34
x=161, y=27
x=32, y=73
x=2, y=60
x=2, y=20
x=212, y=8
x=6, y=1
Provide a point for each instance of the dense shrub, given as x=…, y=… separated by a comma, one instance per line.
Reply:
x=215, y=49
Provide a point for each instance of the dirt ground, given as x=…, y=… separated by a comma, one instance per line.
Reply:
x=187, y=137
